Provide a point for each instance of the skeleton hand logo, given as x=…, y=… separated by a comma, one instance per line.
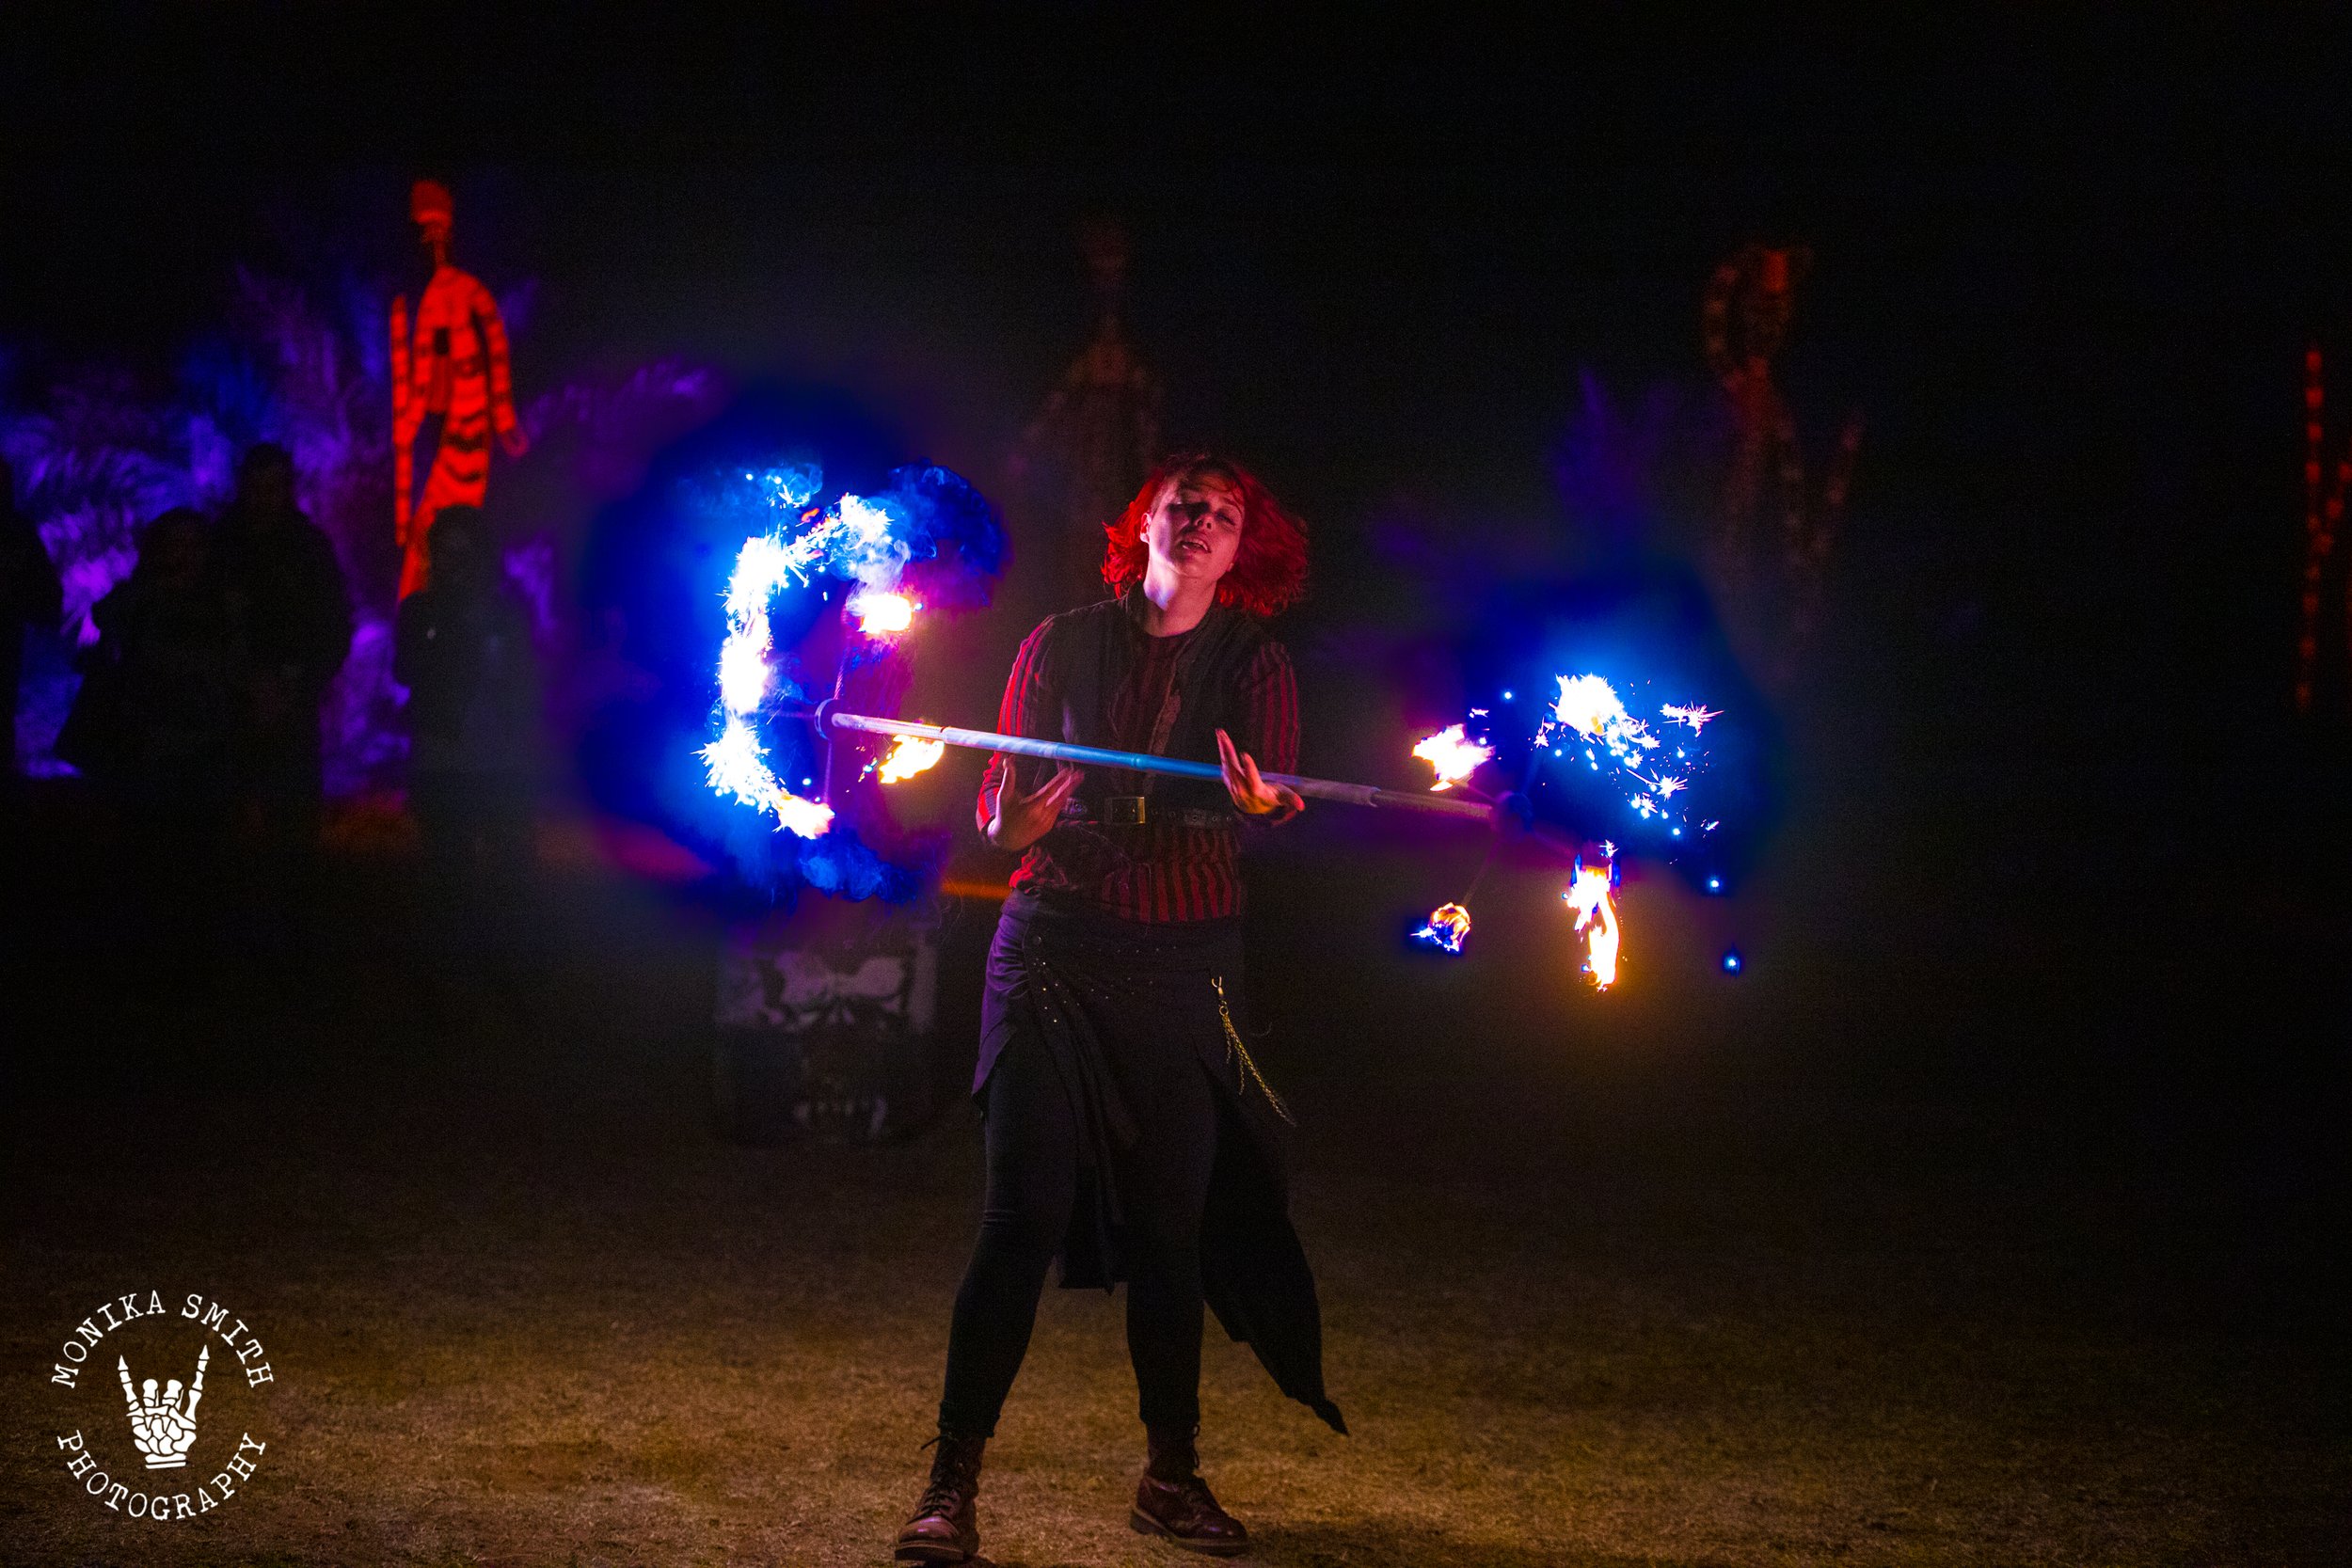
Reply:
x=161, y=1428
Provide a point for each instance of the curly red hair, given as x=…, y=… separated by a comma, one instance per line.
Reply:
x=1269, y=570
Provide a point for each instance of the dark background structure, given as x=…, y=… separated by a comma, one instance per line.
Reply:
x=1995, y=1215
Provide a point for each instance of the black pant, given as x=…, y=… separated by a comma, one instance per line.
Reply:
x=1162, y=1185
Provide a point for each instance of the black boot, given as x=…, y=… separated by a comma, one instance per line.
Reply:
x=1172, y=1500
x=944, y=1528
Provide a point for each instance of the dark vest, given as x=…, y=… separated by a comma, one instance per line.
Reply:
x=1095, y=651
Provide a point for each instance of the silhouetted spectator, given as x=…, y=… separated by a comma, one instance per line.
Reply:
x=463, y=649
x=154, y=712
x=30, y=600
x=152, y=728
x=290, y=618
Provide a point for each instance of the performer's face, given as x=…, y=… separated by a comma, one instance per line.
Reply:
x=1194, y=527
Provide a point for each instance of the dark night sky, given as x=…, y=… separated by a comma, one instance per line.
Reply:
x=2067, y=269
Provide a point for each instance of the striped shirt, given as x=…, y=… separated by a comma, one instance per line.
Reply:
x=1162, y=871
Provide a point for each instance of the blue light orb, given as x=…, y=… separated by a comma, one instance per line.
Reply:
x=1731, y=961
x=1714, y=884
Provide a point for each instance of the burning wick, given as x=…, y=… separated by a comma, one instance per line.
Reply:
x=909, y=755
x=1448, y=925
x=883, y=614
x=1589, y=705
x=1589, y=896
x=1456, y=757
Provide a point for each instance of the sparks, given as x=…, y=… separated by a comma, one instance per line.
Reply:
x=1590, y=711
x=762, y=567
x=909, y=755
x=1696, y=715
x=1449, y=923
x=1597, y=917
x=1454, y=756
x=1656, y=779
x=737, y=765
x=855, y=537
x=882, y=614
x=1589, y=705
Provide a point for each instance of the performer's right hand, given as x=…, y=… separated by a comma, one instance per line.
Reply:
x=1021, y=819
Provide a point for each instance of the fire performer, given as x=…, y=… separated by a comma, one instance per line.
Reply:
x=1127, y=1129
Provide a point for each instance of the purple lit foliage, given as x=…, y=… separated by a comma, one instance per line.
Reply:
x=99, y=456
x=91, y=465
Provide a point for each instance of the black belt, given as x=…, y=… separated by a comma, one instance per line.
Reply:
x=1134, y=810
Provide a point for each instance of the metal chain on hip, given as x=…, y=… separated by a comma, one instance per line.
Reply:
x=1233, y=1045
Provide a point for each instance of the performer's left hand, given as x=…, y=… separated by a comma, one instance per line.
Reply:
x=1252, y=796
x=513, y=440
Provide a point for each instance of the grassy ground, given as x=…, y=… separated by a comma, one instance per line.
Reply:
x=1602, y=1287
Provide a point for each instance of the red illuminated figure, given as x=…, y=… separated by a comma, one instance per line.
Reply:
x=454, y=366
x=1098, y=434
x=2323, y=515
x=1749, y=302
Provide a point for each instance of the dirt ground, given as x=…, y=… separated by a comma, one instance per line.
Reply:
x=1698, y=1273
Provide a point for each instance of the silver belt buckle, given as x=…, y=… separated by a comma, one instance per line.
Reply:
x=1123, y=811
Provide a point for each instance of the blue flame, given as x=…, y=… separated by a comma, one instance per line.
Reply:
x=929, y=525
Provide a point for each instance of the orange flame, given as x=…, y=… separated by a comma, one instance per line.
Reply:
x=1454, y=754
x=1589, y=897
x=883, y=614
x=910, y=755
x=1448, y=925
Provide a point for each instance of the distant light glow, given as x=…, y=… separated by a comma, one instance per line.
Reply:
x=1449, y=925
x=1732, y=962
x=1454, y=754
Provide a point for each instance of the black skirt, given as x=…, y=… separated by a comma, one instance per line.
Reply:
x=1096, y=993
